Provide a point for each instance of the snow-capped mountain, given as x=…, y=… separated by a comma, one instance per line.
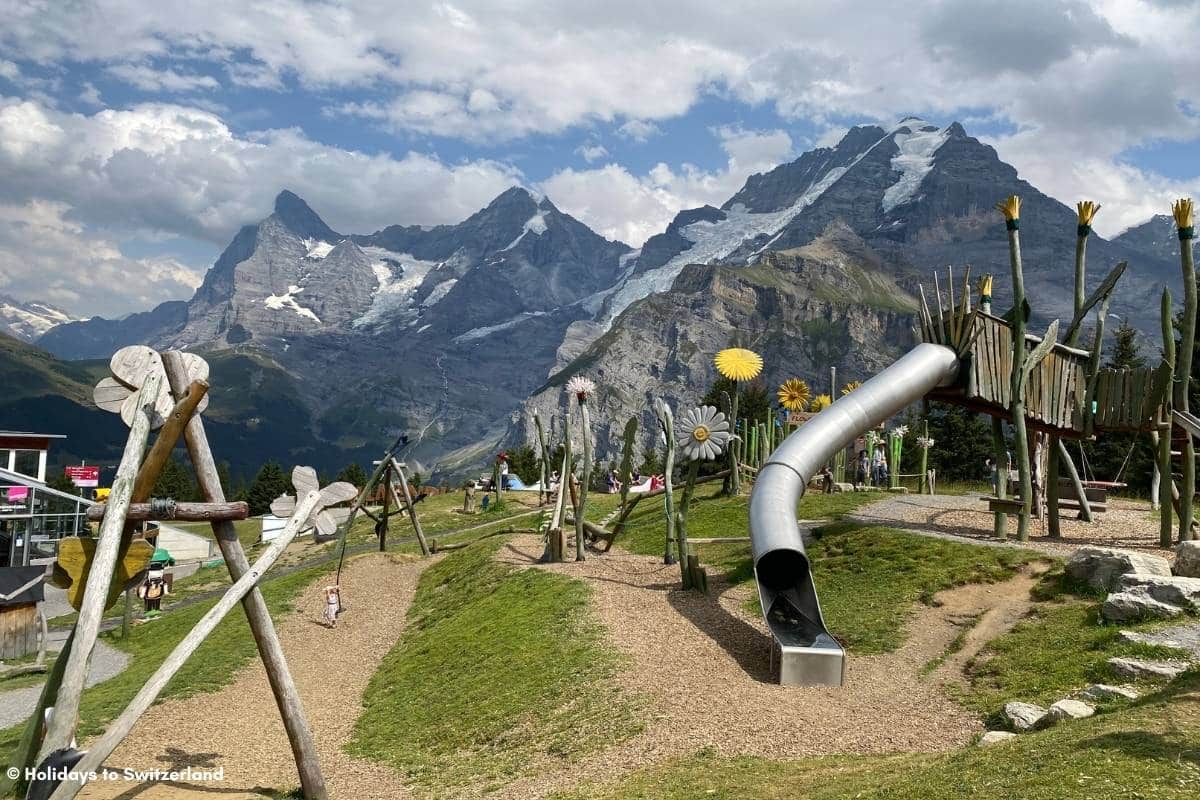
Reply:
x=27, y=320
x=448, y=331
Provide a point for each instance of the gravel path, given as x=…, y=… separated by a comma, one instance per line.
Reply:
x=1126, y=524
x=238, y=727
x=703, y=665
x=17, y=705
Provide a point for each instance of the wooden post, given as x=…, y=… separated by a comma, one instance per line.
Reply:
x=119, y=729
x=1184, y=222
x=25, y=755
x=381, y=527
x=925, y=488
x=1166, y=482
x=685, y=566
x=1011, y=209
x=735, y=477
x=585, y=423
x=61, y=729
x=412, y=510
x=291, y=710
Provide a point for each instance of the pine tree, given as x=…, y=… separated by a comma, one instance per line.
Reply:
x=176, y=482
x=269, y=483
x=651, y=461
x=353, y=474
x=523, y=462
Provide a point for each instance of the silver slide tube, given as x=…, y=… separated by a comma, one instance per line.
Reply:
x=809, y=656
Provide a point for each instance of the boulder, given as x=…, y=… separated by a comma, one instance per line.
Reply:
x=1067, y=709
x=1135, y=668
x=1103, y=691
x=1136, y=604
x=1100, y=567
x=1184, y=638
x=1182, y=592
x=1187, y=559
x=996, y=737
x=1023, y=716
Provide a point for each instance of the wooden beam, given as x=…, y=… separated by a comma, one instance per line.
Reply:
x=412, y=511
x=291, y=710
x=181, y=512
x=168, y=437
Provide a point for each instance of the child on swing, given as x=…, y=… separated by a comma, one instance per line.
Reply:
x=333, y=605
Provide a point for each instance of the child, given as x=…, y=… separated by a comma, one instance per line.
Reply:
x=333, y=605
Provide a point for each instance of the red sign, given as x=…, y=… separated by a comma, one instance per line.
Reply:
x=84, y=476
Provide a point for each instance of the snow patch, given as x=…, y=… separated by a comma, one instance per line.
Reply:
x=535, y=225
x=716, y=240
x=479, y=333
x=439, y=291
x=279, y=302
x=393, y=293
x=913, y=162
x=317, y=248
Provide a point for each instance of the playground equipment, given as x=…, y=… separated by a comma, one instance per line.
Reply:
x=105, y=566
x=389, y=473
x=985, y=363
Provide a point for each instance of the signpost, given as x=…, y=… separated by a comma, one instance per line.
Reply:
x=84, y=476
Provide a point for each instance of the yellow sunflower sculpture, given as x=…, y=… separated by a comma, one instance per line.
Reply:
x=794, y=394
x=738, y=364
x=820, y=402
x=850, y=387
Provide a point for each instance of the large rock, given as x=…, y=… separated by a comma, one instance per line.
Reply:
x=996, y=737
x=1023, y=716
x=1067, y=709
x=1103, y=691
x=1182, y=592
x=1135, y=605
x=1135, y=668
x=1101, y=567
x=1185, y=638
x=1187, y=559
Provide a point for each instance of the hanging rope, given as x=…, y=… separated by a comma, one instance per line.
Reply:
x=162, y=508
x=1124, y=463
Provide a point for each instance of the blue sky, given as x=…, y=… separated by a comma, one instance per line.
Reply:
x=136, y=137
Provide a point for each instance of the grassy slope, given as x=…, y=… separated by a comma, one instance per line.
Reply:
x=211, y=667
x=499, y=669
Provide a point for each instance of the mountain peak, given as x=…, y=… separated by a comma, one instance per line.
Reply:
x=514, y=196
x=298, y=217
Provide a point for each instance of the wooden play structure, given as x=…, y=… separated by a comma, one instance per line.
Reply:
x=389, y=474
x=165, y=391
x=1051, y=391
x=22, y=625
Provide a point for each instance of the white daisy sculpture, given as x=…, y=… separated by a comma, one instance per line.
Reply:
x=581, y=387
x=703, y=433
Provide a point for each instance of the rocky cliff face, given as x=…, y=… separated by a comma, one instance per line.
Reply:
x=829, y=303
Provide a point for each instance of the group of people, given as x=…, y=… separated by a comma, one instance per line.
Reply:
x=871, y=470
x=612, y=482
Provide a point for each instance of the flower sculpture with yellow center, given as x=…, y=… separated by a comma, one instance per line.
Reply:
x=702, y=433
x=794, y=394
x=738, y=364
x=820, y=403
x=850, y=387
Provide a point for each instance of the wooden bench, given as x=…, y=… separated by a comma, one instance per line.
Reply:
x=1012, y=505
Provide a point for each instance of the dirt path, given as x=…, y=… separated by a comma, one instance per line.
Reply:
x=238, y=727
x=702, y=664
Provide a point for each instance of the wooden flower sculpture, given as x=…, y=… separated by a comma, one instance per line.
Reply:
x=794, y=394
x=129, y=367
x=582, y=388
x=850, y=387
x=304, y=479
x=820, y=403
x=703, y=433
x=738, y=364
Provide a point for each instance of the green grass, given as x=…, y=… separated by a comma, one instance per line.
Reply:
x=1149, y=750
x=498, y=670
x=868, y=578
x=212, y=666
x=1062, y=645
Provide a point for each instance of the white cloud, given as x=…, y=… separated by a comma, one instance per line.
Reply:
x=44, y=255
x=9, y=70
x=167, y=168
x=591, y=152
x=90, y=95
x=621, y=205
x=639, y=130
x=149, y=79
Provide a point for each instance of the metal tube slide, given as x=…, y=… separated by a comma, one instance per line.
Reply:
x=809, y=656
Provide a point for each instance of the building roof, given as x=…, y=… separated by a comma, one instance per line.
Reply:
x=31, y=435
